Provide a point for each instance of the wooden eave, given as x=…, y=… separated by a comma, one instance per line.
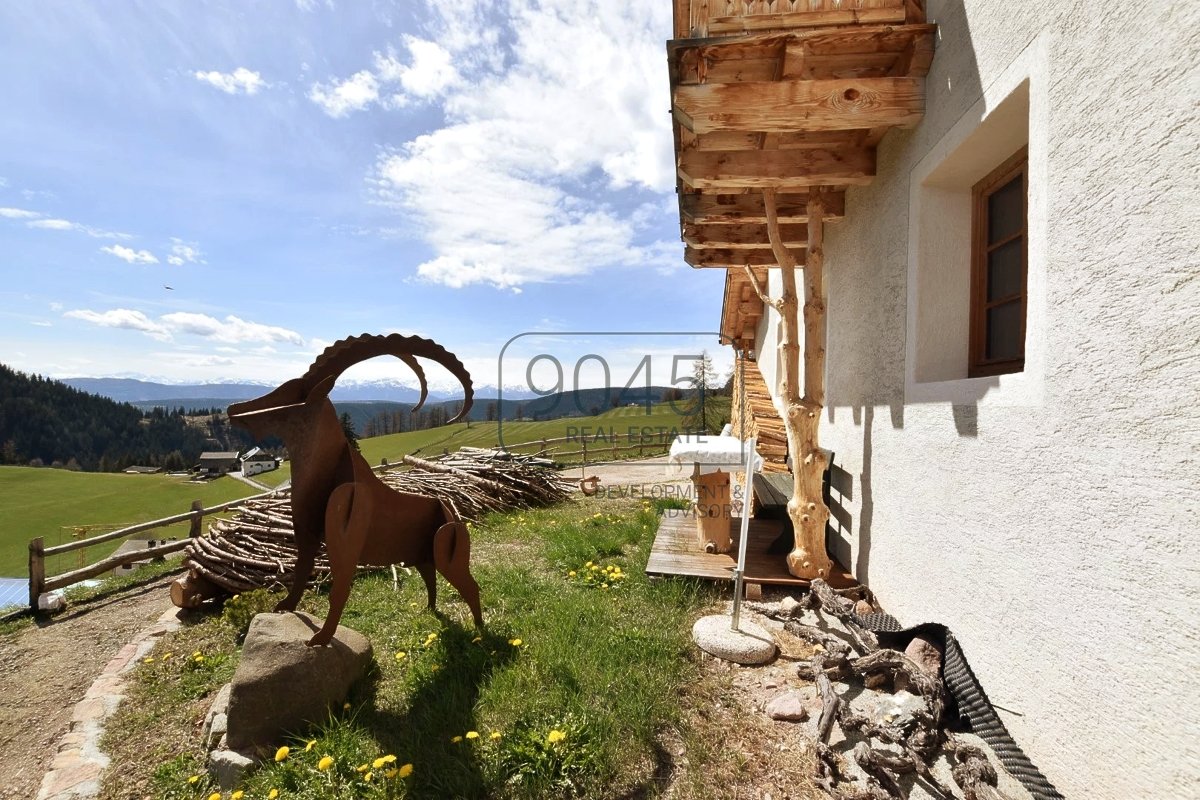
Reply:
x=795, y=99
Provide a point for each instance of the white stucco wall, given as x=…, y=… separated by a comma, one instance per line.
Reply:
x=1050, y=519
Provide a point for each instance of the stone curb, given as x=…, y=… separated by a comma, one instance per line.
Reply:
x=79, y=763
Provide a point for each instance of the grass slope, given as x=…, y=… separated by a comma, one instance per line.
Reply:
x=567, y=692
x=49, y=502
x=598, y=431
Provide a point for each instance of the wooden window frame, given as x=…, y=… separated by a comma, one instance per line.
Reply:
x=978, y=364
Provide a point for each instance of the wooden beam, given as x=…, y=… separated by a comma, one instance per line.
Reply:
x=740, y=237
x=798, y=104
x=738, y=208
x=776, y=169
x=743, y=23
x=734, y=259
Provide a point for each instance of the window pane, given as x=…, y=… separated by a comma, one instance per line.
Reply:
x=1004, y=335
x=1006, y=210
x=1005, y=275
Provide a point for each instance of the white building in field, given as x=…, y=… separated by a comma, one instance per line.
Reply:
x=1013, y=349
x=254, y=461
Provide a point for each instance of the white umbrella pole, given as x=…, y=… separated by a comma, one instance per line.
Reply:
x=744, y=534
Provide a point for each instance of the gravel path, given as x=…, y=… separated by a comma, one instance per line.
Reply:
x=46, y=668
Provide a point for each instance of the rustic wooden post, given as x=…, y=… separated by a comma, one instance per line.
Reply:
x=37, y=571
x=197, y=520
x=802, y=415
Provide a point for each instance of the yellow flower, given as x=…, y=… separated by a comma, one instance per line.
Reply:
x=555, y=737
x=435, y=667
x=400, y=656
x=406, y=770
x=515, y=642
x=597, y=515
x=148, y=660
x=237, y=795
x=477, y=640
x=571, y=574
x=196, y=654
x=199, y=659
x=194, y=779
x=382, y=761
x=472, y=734
x=271, y=795
x=282, y=753
x=455, y=739
x=215, y=796
x=496, y=735
x=390, y=773
x=345, y=706
x=588, y=565
x=310, y=745
x=431, y=637
x=325, y=763
x=362, y=767
x=604, y=586
x=368, y=776
x=235, y=597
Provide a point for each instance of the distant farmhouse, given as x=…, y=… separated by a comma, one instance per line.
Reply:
x=218, y=463
x=255, y=461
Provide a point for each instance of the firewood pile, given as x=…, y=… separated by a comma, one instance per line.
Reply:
x=255, y=548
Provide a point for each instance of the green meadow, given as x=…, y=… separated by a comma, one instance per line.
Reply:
x=53, y=503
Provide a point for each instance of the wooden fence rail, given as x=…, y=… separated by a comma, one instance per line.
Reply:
x=39, y=582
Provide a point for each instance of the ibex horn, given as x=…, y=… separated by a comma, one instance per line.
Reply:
x=342, y=355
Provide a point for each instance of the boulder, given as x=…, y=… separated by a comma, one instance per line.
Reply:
x=281, y=684
x=924, y=651
x=750, y=644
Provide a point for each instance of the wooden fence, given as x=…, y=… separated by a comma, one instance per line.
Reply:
x=40, y=582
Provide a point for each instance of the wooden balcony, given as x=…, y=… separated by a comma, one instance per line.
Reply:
x=789, y=95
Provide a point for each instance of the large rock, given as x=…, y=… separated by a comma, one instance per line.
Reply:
x=750, y=644
x=281, y=684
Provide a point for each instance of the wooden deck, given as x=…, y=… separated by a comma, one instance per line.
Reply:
x=675, y=552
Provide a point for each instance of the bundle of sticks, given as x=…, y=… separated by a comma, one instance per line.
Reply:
x=255, y=547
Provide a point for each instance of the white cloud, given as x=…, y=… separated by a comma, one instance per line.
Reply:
x=125, y=318
x=56, y=306
x=18, y=213
x=41, y=323
x=54, y=224
x=128, y=254
x=230, y=331
x=353, y=94
x=240, y=81
x=577, y=113
x=184, y=253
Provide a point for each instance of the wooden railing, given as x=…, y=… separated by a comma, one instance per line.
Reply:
x=703, y=18
x=596, y=447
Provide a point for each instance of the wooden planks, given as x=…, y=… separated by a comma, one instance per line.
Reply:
x=725, y=259
x=776, y=169
x=741, y=208
x=815, y=105
x=740, y=237
x=674, y=552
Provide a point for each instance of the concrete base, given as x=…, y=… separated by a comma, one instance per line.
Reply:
x=751, y=644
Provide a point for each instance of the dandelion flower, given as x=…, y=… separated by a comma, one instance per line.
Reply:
x=196, y=654
x=406, y=770
x=215, y=796
x=400, y=656
x=235, y=597
x=390, y=773
x=555, y=736
x=515, y=642
x=167, y=655
x=571, y=574
x=496, y=735
x=588, y=565
x=148, y=660
x=238, y=795
x=362, y=767
x=271, y=795
x=282, y=753
x=472, y=734
x=455, y=739
x=199, y=659
x=597, y=515
x=194, y=779
x=435, y=667
x=368, y=776
x=604, y=586
x=325, y=763
x=310, y=745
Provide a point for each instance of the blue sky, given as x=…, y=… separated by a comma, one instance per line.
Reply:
x=301, y=170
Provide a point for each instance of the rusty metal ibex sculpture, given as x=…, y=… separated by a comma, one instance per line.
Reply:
x=337, y=498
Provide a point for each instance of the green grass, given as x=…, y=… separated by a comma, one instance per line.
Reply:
x=50, y=503
x=598, y=431
x=603, y=662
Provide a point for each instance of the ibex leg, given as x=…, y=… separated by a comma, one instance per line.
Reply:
x=452, y=555
x=429, y=575
x=307, y=545
x=345, y=534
